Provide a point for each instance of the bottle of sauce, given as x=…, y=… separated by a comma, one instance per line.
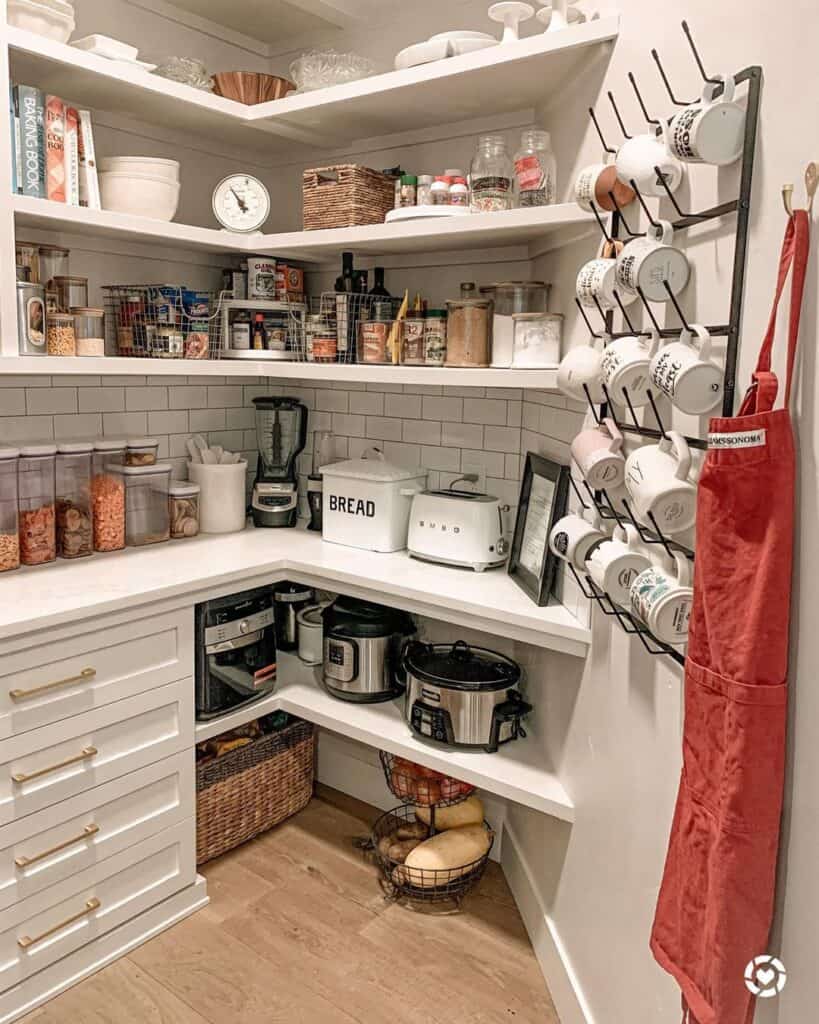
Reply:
x=258, y=333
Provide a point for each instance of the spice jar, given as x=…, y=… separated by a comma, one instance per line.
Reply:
x=183, y=497
x=61, y=340
x=141, y=451
x=435, y=337
x=412, y=339
x=538, y=338
x=491, y=176
x=72, y=292
x=459, y=193
x=9, y=537
x=167, y=342
x=409, y=189
x=31, y=319
x=315, y=325
x=37, y=525
x=73, y=499
x=108, y=495
x=439, y=193
x=147, y=516
x=52, y=262
x=373, y=334
x=536, y=169
x=423, y=194
x=325, y=346
x=469, y=332
x=89, y=331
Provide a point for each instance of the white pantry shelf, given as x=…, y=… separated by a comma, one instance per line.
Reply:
x=514, y=772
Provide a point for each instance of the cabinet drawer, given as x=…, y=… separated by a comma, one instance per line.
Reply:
x=36, y=852
x=49, y=682
x=59, y=761
x=45, y=927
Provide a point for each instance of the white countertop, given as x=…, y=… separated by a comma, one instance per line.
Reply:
x=66, y=591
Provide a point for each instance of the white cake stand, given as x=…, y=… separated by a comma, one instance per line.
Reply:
x=511, y=14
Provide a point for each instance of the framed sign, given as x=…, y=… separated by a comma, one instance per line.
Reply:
x=544, y=496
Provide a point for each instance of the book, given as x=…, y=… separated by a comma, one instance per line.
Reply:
x=71, y=156
x=32, y=141
x=16, y=155
x=55, y=148
x=89, y=180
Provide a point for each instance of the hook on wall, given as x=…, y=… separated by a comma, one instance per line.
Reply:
x=592, y=331
x=666, y=83
x=654, y=223
x=606, y=147
x=623, y=221
x=610, y=95
x=648, y=309
x=676, y=305
x=592, y=406
x=625, y=315
x=646, y=115
x=692, y=44
x=601, y=223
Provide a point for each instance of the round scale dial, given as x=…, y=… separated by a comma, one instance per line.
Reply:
x=241, y=203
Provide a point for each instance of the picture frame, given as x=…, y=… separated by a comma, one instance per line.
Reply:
x=544, y=498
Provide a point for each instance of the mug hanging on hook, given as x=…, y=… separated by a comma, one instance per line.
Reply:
x=625, y=368
x=651, y=263
x=685, y=373
x=638, y=159
x=711, y=131
x=597, y=280
x=578, y=374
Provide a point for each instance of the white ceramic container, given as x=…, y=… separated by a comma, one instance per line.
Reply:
x=140, y=195
x=154, y=167
x=223, y=498
x=54, y=21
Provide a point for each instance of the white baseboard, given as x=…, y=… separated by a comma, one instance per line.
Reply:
x=557, y=970
x=46, y=984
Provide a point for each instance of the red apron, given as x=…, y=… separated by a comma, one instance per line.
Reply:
x=716, y=899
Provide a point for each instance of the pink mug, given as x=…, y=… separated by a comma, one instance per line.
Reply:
x=599, y=456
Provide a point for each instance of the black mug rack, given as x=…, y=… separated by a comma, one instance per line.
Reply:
x=619, y=225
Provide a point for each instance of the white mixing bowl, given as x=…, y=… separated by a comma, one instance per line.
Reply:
x=141, y=195
x=154, y=167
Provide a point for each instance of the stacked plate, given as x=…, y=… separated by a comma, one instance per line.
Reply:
x=53, y=19
x=142, y=186
x=442, y=45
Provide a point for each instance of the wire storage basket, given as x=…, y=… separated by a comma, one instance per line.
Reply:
x=163, y=321
x=422, y=787
x=348, y=327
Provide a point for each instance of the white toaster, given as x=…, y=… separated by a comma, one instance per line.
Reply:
x=457, y=528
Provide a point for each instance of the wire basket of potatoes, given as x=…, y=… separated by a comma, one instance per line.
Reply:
x=432, y=863
x=425, y=787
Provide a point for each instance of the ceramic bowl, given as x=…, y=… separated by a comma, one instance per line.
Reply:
x=140, y=195
x=154, y=167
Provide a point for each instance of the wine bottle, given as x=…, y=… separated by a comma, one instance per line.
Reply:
x=379, y=288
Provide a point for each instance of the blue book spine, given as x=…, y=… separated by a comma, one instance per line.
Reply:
x=32, y=140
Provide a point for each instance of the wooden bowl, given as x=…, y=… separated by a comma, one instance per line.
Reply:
x=250, y=87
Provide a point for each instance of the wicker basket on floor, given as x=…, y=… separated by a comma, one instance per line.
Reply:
x=346, y=196
x=253, y=788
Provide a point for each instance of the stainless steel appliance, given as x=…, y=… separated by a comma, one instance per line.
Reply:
x=235, y=651
x=362, y=643
x=457, y=527
x=289, y=599
x=281, y=433
x=463, y=696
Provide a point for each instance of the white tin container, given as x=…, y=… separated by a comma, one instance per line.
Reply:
x=261, y=277
x=366, y=502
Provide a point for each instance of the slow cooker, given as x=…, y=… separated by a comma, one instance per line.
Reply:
x=362, y=646
x=463, y=696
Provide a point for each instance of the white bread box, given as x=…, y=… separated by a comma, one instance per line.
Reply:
x=366, y=502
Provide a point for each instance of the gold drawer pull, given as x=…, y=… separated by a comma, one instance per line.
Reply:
x=89, y=830
x=26, y=942
x=87, y=673
x=20, y=777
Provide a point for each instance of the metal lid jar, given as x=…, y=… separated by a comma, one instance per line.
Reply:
x=469, y=332
x=183, y=499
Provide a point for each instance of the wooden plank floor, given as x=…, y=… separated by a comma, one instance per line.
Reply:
x=298, y=932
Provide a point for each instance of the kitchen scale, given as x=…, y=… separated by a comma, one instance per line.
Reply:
x=281, y=433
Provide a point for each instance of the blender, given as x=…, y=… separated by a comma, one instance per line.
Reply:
x=281, y=433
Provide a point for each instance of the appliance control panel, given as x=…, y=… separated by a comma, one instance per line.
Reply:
x=434, y=723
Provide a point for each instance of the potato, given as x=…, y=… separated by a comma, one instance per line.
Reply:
x=468, y=812
x=452, y=852
x=384, y=844
x=412, y=830
x=400, y=850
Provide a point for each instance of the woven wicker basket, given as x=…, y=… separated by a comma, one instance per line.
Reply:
x=253, y=788
x=346, y=196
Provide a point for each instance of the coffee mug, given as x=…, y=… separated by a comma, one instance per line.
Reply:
x=581, y=365
x=649, y=262
x=685, y=374
x=593, y=185
x=711, y=131
x=657, y=479
x=625, y=367
x=598, y=454
x=572, y=538
x=637, y=158
x=615, y=564
x=597, y=279
x=662, y=599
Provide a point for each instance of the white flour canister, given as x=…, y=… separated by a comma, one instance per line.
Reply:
x=261, y=277
x=366, y=502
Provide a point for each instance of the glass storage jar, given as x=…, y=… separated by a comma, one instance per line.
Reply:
x=412, y=339
x=141, y=451
x=72, y=292
x=491, y=176
x=536, y=169
x=538, y=338
x=184, y=508
x=469, y=332
x=60, y=338
x=9, y=536
x=147, y=516
x=26, y=255
x=435, y=337
x=89, y=331
x=31, y=319
x=52, y=262
x=512, y=297
x=73, y=499
x=108, y=494
x=374, y=334
x=38, y=537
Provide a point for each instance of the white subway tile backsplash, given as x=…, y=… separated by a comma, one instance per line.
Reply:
x=46, y=401
x=332, y=401
x=121, y=424
x=26, y=428
x=207, y=419
x=501, y=439
x=492, y=463
x=77, y=380
x=404, y=454
x=224, y=396
x=190, y=396
x=174, y=421
x=422, y=432
x=384, y=428
x=87, y=424
x=166, y=381
x=349, y=425
x=143, y=399
x=512, y=467
x=231, y=440
x=445, y=408
x=240, y=419
x=119, y=380
x=403, y=406
x=461, y=435
x=485, y=410
x=514, y=414
x=437, y=458
x=423, y=389
x=367, y=403
x=12, y=402
x=101, y=399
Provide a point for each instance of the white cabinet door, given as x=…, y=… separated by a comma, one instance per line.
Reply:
x=54, y=763
x=46, y=683
x=44, y=848
x=45, y=927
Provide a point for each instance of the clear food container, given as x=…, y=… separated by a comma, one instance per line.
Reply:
x=184, y=508
x=469, y=332
x=52, y=261
x=412, y=339
x=75, y=537
x=141, y=451
x=538, y=339
x=435, y=337
x=147, y=515
x=89, y=330
x=108, y=495
x=60, y=337
x=31, y=319
x=9, y=537
x=38, y=537
x=72, y=292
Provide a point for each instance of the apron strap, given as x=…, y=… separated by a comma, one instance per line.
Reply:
x=761, y=396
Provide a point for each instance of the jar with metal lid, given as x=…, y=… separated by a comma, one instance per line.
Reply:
x=141, y=451
x=538, y=338
x=53, y=261
x=536, y=169
x=72, y=292
x=60, y=337
x=147, y=512
x=491, y=176
x=183, y=497
x=89, y=331
x=512, y=297
x=412, y=339
x=439, y=191
x=31, y=319
x=73, y=499
x=373, y=334
x=37, y=525
x=435, y=337
x=409, y=189
x=108, y=494
x=424, y=192
x=315, y=325
x=22, y=273
x=469, y=332
x=9, y=536
x=26, y=255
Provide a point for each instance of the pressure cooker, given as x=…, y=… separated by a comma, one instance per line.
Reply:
x=362, y=645
x=463, y=696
